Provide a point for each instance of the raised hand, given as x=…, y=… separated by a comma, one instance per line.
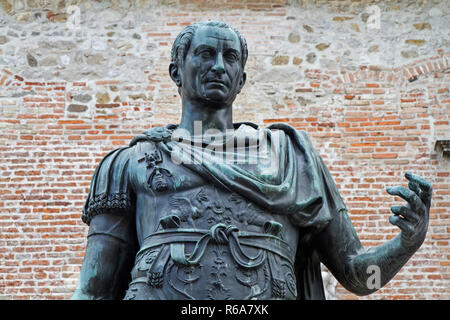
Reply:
x=413, y=218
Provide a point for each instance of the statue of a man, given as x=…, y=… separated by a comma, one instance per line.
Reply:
x=168, y=219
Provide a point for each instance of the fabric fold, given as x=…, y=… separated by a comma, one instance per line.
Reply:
x=279, y=172
x=294, y=181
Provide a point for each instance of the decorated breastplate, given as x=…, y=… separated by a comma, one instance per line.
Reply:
x=203, y=242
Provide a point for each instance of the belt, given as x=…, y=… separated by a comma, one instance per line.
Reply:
x=221, y=234
x=172, y=241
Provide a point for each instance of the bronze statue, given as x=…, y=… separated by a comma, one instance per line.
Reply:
x=168, y=219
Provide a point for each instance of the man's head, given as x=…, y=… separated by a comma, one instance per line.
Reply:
x=208, y=60
x=184, y=39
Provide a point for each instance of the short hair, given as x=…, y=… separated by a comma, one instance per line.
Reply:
x=183, y=41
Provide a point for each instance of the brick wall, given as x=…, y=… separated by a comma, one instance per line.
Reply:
x=369, y=84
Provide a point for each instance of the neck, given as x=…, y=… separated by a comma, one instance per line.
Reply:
x=209, y=117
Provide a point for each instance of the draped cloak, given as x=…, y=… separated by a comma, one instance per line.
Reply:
x=303, y=189
x=288, y=177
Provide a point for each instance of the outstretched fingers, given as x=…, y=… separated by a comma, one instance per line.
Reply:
x=403, y=224
x=423, y=184
x=406, y=213
x=414, y=201
x=420, y=186
x=412, y=219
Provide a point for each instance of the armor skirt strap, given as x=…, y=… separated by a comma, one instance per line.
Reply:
x=155, y=274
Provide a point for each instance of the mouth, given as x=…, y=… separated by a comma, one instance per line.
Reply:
x=217, y=82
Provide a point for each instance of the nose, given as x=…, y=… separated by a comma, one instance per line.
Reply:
x=218, y=65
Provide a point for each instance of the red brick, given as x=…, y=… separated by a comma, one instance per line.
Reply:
x=79, y=127
x=384, y=155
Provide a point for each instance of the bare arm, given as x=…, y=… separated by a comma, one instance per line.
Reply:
x=341, y=251
x=108, y=259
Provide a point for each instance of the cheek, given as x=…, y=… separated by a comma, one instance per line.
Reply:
x=189, y=70
x=235, y=74
x=234, y=71
x=203, y=69
x=195, y=76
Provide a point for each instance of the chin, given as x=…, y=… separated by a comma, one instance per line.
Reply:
x=216, y=96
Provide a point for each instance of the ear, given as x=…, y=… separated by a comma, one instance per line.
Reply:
x=175, y=74
x=242, y=81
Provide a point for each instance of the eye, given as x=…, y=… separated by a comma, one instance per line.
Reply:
x=231, y=56
x=207, y=53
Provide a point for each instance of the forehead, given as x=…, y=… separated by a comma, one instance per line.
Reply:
x=214, y=36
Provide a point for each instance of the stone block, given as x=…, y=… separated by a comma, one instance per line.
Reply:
x=280, y=60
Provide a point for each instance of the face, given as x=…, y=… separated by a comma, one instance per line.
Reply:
x=212, y=70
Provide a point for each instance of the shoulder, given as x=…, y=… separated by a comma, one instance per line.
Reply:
x=116, y=158
x=287, y=128
x=110, y=189
x=156, y=134
x=298, y=137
